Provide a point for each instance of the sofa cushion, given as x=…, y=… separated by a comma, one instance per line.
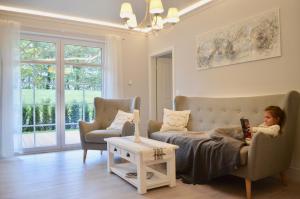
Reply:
x=97, y=136
x=175, y=120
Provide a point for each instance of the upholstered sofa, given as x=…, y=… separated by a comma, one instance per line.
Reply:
x=266, y=155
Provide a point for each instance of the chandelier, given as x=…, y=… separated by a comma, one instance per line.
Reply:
x=153, y=19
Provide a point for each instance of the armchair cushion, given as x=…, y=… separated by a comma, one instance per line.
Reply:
x=97, y=136
x=120, y=120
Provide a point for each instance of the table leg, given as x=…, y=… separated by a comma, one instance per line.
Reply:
x=141, y=175
x=171, y=172
x=110, y=160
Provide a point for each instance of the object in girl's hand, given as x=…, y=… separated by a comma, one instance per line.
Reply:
x=245, y=127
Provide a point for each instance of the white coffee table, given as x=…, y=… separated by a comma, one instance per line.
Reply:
x=140, y=156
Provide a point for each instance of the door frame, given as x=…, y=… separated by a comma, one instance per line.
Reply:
x=152, y=78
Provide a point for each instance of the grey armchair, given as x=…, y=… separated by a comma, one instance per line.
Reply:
x=92, y=134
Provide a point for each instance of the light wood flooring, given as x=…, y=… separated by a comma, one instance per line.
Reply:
x=62, y=175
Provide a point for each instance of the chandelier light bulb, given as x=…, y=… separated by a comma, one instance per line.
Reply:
x=132, y=23
x=126, y=11
x=173, y=16
x=156, y=7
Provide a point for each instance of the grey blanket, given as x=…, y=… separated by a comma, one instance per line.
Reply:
x=203, y=156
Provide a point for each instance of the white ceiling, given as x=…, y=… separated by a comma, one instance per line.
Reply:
x=103, y=10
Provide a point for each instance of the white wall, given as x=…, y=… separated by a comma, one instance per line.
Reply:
x=269, y=76
x=134, y=61
x=135, y=64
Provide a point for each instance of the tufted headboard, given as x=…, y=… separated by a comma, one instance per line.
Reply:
x=209, y=113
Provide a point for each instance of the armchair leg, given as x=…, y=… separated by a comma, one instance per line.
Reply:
x=283, y=178
x=84, y=155
x=101, y=152
x=248, y=188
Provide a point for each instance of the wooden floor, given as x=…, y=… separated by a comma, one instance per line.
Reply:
x=62, y=175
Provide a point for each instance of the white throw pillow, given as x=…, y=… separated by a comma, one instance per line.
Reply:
x=175, y=120
x=120, y=120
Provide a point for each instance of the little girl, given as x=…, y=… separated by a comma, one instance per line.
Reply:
x=273, y=119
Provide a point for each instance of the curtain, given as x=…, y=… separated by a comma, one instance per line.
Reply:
x=113, y=75
x=10, y=98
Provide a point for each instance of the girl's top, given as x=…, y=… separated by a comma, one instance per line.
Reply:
x=270, y=130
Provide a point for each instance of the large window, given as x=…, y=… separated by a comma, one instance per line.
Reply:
x=60, y=79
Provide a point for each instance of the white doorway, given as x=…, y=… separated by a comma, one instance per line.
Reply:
x=161, y=84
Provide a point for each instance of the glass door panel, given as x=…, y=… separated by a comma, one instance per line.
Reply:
x=82, y=85
x=39, y=105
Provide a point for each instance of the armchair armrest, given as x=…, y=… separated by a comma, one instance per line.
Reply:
x=128, y=129
x=85, y=127
x=153, y=126
x=266, y=156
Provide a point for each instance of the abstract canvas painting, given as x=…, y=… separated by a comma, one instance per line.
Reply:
x=251, y=39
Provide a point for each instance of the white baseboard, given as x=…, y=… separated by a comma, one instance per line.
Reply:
x=294, y=174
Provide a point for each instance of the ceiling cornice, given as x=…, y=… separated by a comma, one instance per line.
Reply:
x=182, y=12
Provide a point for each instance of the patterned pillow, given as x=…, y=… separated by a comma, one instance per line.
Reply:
x=120, y=120
x=175, y=120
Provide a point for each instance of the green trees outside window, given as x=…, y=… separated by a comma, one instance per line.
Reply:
x=82, y=82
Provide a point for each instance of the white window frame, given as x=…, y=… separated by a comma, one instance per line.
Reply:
x=60, y=41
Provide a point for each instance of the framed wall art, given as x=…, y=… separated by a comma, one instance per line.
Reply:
x=251, y=39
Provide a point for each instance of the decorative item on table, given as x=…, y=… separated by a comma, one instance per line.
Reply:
x=158, y=153
x=136, y=120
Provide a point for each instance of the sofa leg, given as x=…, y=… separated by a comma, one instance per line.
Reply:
x=248, y=188
x=101, y=152
x=84, y=155
x=283, y=178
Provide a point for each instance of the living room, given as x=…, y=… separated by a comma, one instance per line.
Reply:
x=49, y=164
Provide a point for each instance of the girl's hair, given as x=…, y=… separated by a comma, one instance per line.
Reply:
x=276, y=112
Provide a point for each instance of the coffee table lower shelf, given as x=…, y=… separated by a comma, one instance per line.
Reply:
x=157, y=180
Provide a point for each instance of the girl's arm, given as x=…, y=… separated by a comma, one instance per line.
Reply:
x=270, y=130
